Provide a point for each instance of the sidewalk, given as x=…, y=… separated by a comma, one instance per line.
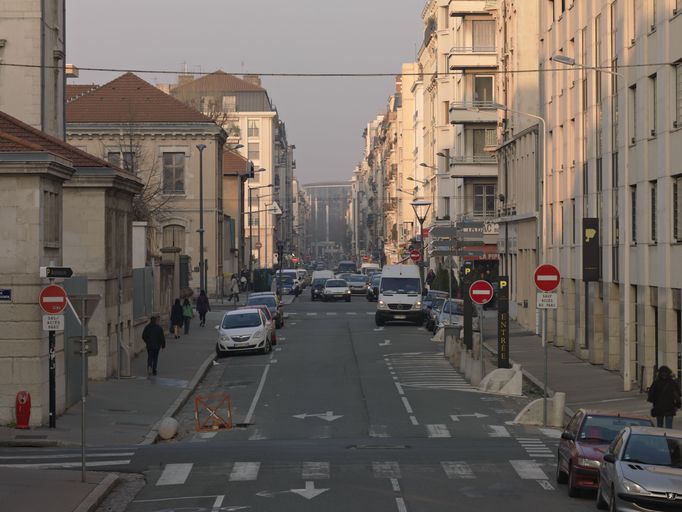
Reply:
x=586, y=385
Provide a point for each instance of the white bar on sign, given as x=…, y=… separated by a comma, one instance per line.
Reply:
x=480, y=292
x=547, y=278
x=53, y=299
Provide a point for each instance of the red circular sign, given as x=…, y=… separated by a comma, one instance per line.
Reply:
x=481, y=292
x=415, y=255
x=365, y=258
x=547, y=277
x=52, y=299
x=294, y=260
x=258, y=245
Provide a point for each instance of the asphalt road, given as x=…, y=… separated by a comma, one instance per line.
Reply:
x=344, y=415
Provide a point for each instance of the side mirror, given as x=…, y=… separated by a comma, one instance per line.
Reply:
x=567, y=436
x=609, y=457
x=217, y=327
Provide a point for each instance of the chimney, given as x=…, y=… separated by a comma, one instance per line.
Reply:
x=252, y=79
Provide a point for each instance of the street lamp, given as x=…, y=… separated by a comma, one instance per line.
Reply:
x=410, y=178
x=569, y=61
x=428, y=166
x=421, y=210
x=202, y=263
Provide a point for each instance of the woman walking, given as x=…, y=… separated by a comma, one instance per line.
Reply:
x=176, y=318
x=234, y=289
x=187, y=314
x=664, y=394
x=203, y=307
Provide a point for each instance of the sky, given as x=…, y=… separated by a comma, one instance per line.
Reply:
x=325, y=117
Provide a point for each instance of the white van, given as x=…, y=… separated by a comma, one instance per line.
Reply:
x=399, y=295
x=369, y=267
x=317, y=283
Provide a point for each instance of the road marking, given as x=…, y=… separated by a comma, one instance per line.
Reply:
x=315, y=471
x=400, y=388
x=174, y=474
x=66, y=465
x=309, y=492
x=407, y=405
x=477, y=415
x=400, y=502
x=351, y=313
x=66, y=456
x=311, y=314
x=414, y=421
x=438, y=430
x=457, y=470
x=207, y=435
x=244, y=471
x=498, y=431
x=385, y=343
x=395, y=485
x=504, y=411
x=256, y=397
x=551, y=432
x=218, y=503
x=546, y=485
x=369, y=312
x=379, y=329
x=331, y=313
x=278, y=349
x=528, y=469
x=535, y=447
x=388, y=469
x=378, y=431
x=257, y=436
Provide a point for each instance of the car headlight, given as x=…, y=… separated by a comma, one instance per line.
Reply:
x=347, y=291
x=418, y=304
x=588, y=463
x=631, y=487
x=381, y=304
x=224, y=338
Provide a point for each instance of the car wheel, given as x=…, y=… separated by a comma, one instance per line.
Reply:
x=573, y=491
x=561, y=477
x=379, y=321
x=601, y=502
x=419, y=323
x=268, y=347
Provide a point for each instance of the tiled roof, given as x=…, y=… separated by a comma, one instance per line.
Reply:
x=17, y=137
x=129, y=99
x=234, y=163
x=74, y=91
x=217, y=81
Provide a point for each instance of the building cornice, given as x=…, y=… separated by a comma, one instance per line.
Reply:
x=109, y=178
x=32, y=163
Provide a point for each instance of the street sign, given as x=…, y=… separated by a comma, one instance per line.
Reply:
x=365, y=258
x=414, y=255
x=591, y=249
x=503, y=322
x=547, y=277
x=53, y=322
x=84, y=306
x=90, y=344
x=425, y=232
x=481, y=292
x=258, y=245
x=52, y=299
x=5, y=294
x=547, y=300
x=56, y=272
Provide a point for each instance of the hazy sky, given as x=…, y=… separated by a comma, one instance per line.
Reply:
x=325, y=117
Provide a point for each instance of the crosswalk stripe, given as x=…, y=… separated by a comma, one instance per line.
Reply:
x=174, y=474
x=66, y=456
x=498, y=431
x=378, y=431
x=351, y=313
x=528, y=470
x=67, y=465
x=244, y=471
x=369, y=312
x=438, y=430
x=386, y=470
x=311, y=314
x=315, y=471
x=457, y=469
x=551, y=432
x=331, y=313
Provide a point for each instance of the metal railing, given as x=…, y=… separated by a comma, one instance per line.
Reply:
x=473, y=104
x=456, y=50
x=474, y=159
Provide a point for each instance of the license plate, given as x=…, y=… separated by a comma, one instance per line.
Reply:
x=400, y=317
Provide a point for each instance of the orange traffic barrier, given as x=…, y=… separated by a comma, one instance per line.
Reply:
x=212, y=412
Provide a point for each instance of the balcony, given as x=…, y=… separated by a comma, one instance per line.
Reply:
x=462, y=112
x=474, y=166
x=472, y=57
x=461, y=8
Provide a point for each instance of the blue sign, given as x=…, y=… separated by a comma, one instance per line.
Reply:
x=5, y=295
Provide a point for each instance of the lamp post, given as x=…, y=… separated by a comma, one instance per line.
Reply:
x=421, y=210
x=202, y=263
x=569, y=61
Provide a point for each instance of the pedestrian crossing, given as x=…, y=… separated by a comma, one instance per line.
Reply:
x=535, y=447
x=67, y=459
x=416, y=370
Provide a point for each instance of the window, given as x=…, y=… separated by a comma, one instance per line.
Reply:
x=678, y=94
x=677, y=211
x=254, y=151
x=483, y=35
x=483, y=140
x=483, y=89
x=484, y=200
x=173, y=173
x=124, y=160
x=207, y=104
x=574, y=220
x=52, y=223
x=653, y=192
x=633, y=114
x=651, y=14
x=446, y=207
x=633, y=209
x=632, y=14
x=253, y=127
x=229, y=104
x=174, y=236
x=653, y=105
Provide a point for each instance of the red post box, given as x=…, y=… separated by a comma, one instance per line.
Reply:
x=23, y=409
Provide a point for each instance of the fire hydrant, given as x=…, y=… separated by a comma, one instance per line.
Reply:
x=23, y=409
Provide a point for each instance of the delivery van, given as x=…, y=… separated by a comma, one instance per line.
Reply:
x=400, y=295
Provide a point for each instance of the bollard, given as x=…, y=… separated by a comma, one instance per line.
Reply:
x=23, y=409
x=558, y=406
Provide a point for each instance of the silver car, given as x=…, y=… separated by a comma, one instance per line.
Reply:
x=642, y=470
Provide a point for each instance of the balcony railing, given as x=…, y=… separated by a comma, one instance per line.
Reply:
x=473, y=104
x=474, y=159
x=456, y=50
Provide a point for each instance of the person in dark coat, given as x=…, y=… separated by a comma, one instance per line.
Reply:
x=664, y=394
x=154, y=340
x=176, y=317
x=203, y=307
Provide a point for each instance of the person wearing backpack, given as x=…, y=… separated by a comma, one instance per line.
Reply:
x=664, y=394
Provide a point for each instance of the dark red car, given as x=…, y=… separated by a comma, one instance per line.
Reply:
x=583, y=443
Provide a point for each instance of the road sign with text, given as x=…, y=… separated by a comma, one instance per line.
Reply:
x=547, y=300
x=53, y=322
x=547, y=277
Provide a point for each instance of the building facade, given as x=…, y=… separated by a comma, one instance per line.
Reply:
x=327, y=223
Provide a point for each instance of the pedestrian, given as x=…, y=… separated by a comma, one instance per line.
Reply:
x=664, y=394
x=234, y=289
x=187, y=314
x=154, y=340
x=177, y=319
x=430, y=277
x=242, y=283
x=203, y=307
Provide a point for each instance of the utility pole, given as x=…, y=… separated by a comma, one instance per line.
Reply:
x=202, y=263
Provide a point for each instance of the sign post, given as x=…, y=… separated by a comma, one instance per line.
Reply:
x=503, y=323
x=52, y=300
x=415, y=255
x=547, y=278
x=467, y=323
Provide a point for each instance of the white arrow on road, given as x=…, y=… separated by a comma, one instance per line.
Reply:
x=386, y=343
x=327, y=416
x=477, y=415
x=309, y=492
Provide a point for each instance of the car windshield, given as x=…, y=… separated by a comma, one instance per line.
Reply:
x=453, y=307
x=287, y=280
x=241, y=320
x=658, y=450
x=437, y=302
x=604, y=429
x=268, y=301
x=319, y=281
x=335, y=283
x=347, y=266
x=400, y=285
x=376, y=279
x=357, y=279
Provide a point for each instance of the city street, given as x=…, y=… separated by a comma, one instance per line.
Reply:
x=345, y=415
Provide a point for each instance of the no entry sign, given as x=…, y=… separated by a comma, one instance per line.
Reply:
x=481, y=292
x=52, y=299
x=547, y=277
x=414, y=255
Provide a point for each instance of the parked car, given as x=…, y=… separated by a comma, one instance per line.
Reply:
x=642, y=470
x=269, y=318
x=357, y=283
x=427, y=300
x=373, y=288
x=243, y=330
x=453, y=312
x=288, y=286
x=336, y=289
x=583, y=443
x=432, y=313
x=273, y=304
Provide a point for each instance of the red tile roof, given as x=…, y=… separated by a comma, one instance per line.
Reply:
x=129, y=99
x=17, y=137
x=74, y=91
x=234, y=163
x=217, y=81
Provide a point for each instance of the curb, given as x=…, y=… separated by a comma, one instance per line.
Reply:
x=13, y=443
x=95, y=498
x=153, y=434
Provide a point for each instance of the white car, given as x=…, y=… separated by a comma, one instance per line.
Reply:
x=243, y=330
x=336, y=289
